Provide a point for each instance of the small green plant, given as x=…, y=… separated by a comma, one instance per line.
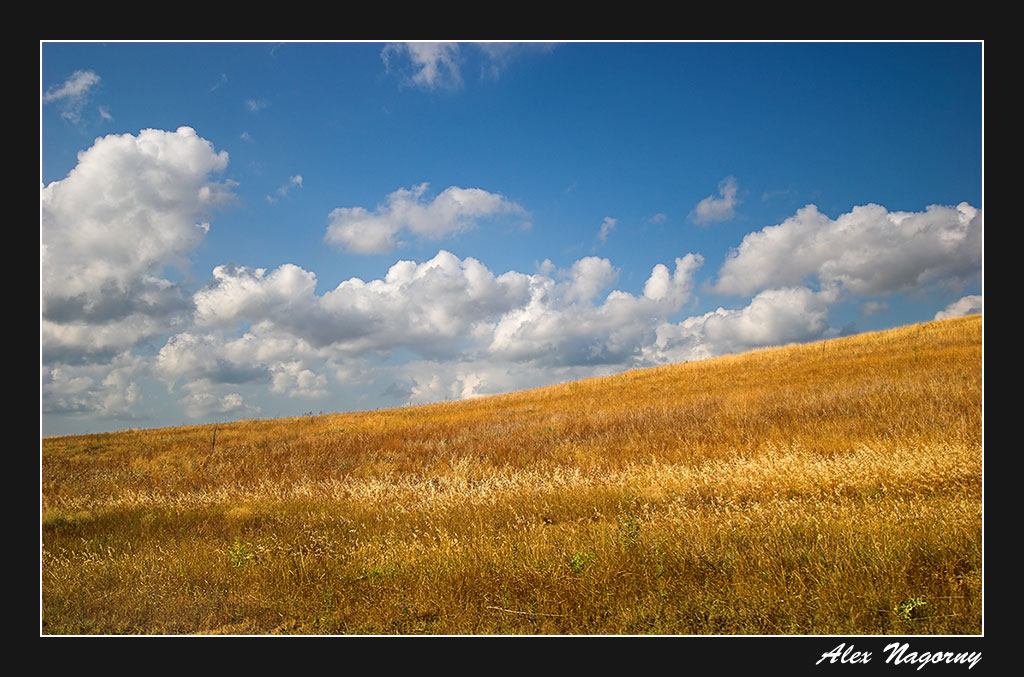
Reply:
x=907, y=608
x=241, y=554
x=376, y=573
x=628, y=521
x=875, y=492
x=580, y=561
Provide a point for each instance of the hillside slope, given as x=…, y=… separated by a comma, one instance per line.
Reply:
x=830, y=488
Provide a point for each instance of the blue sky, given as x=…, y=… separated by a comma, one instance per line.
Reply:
x=249, y=230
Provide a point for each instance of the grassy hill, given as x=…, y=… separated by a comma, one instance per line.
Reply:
x=829, y=488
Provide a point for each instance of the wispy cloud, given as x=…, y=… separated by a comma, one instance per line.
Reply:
x=220, y=82
x=774, y=194
x=438, y=65
x=869, y=308
x=293, y=181
x=497, y=56
x=256, y=105
x=435, y=65
x=73, y=94
x=607, y=226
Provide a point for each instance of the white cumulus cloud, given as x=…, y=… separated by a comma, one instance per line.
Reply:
x=773, y=317
x=456, y=209
x=204, y=405
x=239, y=292
x=968, y=305
x=869, y=251
x=446, y=310
x=587, y=277
x=721, y=208
x=424, y=382
x=430, y=307
x=294, y=380
x=132, y=206
x=99, y=390
x=561, y=325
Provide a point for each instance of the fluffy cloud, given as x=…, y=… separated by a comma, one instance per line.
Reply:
x=239, y=292
x=868, y=251
x=292, y=379
x=671, y=290
x=360, y=231
x=211, y=363
x=132, y=206
x=423, y=382
x=72, y=95
x=968, y=305
x=722, y=208
x=561, y=326
x=102, y=391
x=78, y=342
x=587, y=277
x=479, y=333
x=136, y=205
x=212, y=359
x=445, y=309
x=773, y=317
x=429, y=307
x=205, y=405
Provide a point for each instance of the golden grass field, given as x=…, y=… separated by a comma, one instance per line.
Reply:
x=828, y=488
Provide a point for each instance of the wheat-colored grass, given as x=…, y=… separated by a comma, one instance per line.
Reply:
x=811, y=489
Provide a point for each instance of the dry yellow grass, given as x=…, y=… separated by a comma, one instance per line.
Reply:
x=814, y=489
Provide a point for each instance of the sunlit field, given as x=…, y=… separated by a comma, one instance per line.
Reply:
x=827, y=488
